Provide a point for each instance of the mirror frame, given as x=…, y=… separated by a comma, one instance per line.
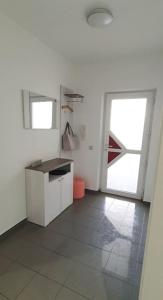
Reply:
x=27, y=109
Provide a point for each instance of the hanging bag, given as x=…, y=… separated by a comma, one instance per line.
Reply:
x=69, y=139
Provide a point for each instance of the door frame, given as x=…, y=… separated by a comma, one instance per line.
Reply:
x=150, y=94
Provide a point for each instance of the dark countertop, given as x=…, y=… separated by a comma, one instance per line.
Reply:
x=50, y=165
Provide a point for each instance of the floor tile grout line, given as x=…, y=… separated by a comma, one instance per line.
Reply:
x=106, y=262
x=61, y=255
x=1, y=294
x=134, y=287
x=101, y=210
x=60, y=289
x=83, y=243
x=67, y=220
x=95, y=219
x=54, y=251
x=25, y=286
x=97, y=208
x=46, y=276
x=92, y=230
x=11, y=262
x=80, y=225
x=68, y=236
x=85, y=213
x=82, y=263
x=120, y=279
x=74, y=291
x=37, y=272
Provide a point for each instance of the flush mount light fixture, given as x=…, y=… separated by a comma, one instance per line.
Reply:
x=99, y=17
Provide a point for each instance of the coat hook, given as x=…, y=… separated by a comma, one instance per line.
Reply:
x=67, y=107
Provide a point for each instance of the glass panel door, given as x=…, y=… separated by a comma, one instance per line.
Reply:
x=127, y=122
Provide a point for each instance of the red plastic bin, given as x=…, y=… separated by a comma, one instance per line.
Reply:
x=78, y=188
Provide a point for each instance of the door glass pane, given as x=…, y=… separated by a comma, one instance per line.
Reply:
x=112, y=155
x=42, y=113
x=127, y=121
x=113, y=143
x=123, y=174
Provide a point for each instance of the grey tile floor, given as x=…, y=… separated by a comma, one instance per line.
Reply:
x=93, y=250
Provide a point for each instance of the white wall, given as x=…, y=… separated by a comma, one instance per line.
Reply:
x=152, y=275
x=25, y=63
x=94, y=81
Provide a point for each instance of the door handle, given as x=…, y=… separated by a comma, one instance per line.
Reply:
x=106, y=148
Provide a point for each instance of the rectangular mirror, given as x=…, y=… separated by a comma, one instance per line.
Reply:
x=40, y=112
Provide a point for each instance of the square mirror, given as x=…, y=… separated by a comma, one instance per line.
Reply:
x=40, y=112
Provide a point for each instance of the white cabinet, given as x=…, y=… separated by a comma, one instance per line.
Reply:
x=47, y=194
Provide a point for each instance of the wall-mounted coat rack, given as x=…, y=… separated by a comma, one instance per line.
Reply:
x=73, y=97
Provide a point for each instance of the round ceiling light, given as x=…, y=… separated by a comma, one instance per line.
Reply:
x=99, y=17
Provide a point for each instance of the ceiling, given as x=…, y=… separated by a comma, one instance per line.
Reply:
x=137, y=27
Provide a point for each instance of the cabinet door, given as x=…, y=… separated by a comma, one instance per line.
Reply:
x=66, y=190
x=53, y=203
